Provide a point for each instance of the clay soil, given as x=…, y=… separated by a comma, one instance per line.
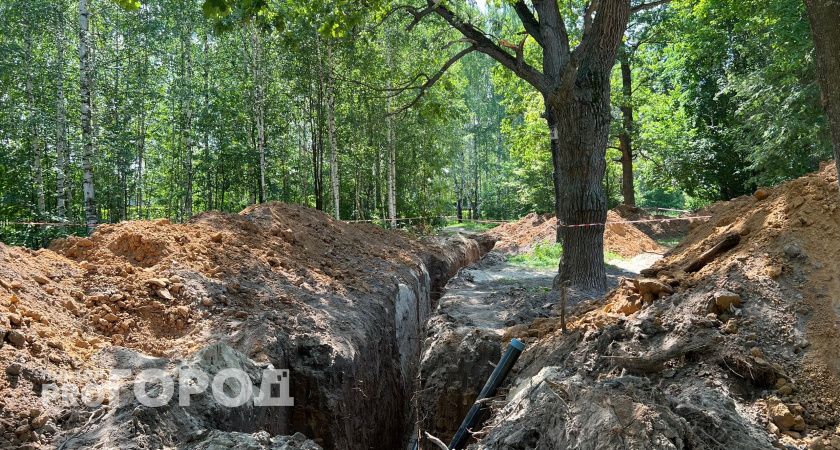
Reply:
x=272, y=273
x=625, y=240
x=744, y=353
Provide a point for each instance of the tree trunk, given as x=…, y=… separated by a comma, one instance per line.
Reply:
x=208, y=191
x=625, y=136
x=187, y=132
x=580, y=129
x=824, y=17
x=259, y=106
x=61, y=156
x=391, y=173
x=33, y=129
x=331, y=132
x=85, y=79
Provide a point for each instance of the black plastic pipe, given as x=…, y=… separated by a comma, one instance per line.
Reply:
x=477, y=413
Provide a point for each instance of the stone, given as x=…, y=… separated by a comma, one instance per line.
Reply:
x=834, y=441
x=14, y=369
x=731, y=327
x=158, y=282
x=653, y=286
x=15, y=285
x=217, y=238
x=793, y=251
x=111, y=317
x=182, y=311
x=792, y=434
x=761, y=194
x=16, y=338
x=15, y=319
x=785, y=390
x=206, y=301
x=756, y=352
x=818, y=444
x=779, y=414
x=40, y=279
x=39, y=422
x=798, y=424
x=773, y=271
x=725, y=300
x=165, y=294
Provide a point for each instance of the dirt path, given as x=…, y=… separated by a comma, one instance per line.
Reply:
x=466, y=332
x=494, y=294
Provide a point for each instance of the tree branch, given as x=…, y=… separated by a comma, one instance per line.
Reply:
x=430, y=81
x=532, y=27
x=420, y=14
x=648, y=5
x=483, y=44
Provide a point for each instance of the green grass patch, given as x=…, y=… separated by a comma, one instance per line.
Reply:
x=470, y=226
x=542, y=256
x=670, y=242
x=547, y=256
x=610, y=256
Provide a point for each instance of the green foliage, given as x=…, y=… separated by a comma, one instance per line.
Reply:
x=726, y=100
x=478, y=227
x=542, y=256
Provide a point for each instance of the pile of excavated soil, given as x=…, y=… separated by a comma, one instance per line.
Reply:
x=282, y=285
x=660, y=226
x=742, y=353
x=622, y=239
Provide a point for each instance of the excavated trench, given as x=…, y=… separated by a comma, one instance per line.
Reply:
x=352, y=377
x=366, y=403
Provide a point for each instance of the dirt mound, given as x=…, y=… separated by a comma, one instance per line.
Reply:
x=662, y=228
x=340, y=305
x=622, y=239
x=742, y=352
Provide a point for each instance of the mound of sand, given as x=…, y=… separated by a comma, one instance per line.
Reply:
x=743, y=353
x=620, y=238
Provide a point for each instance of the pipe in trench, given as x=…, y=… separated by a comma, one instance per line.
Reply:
x=477, y=413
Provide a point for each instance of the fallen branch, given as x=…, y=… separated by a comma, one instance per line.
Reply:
x=729, y=242
x=655, y=360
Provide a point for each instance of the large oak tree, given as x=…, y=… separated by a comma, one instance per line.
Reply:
x=574, y=82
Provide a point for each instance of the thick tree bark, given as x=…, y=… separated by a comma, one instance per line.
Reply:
x=825, y=28
x=582, y=129
x=625, y=140
x=578, y=115
x=85, y=80
x=61, y=157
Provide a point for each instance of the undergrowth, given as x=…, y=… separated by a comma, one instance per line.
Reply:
x=547, y=255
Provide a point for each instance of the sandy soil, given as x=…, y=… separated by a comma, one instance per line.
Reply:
x=742, y=353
